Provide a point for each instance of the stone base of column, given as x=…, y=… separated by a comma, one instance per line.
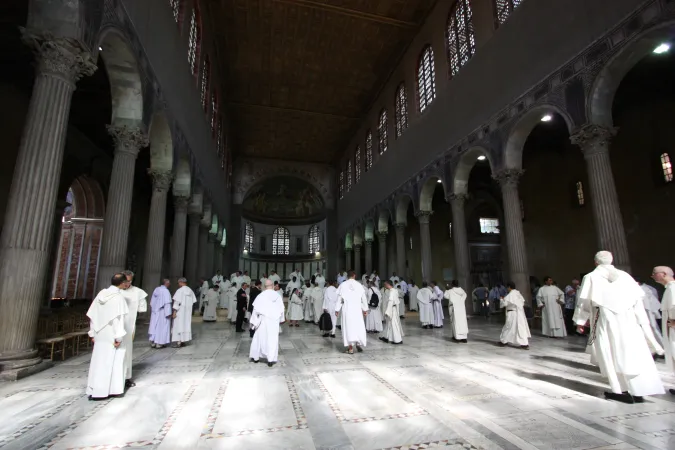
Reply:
x=105, y=274
x=33, y=366
x=522, y=281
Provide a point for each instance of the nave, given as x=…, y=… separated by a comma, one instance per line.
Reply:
x=428, y=392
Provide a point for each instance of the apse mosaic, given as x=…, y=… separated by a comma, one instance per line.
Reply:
x=284, y=198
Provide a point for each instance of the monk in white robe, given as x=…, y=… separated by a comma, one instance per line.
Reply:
x=106, y=321
x=664, y=276
x=653, y=308
x=217, y=278
x=274, y=277
x=401, y=301
x=550, y=300
x=317, y=302
x=330, y=299
x=267, y=315
x=183, y=300
x=393, y=331
x=136, y=302
x=456, y=297
x=297, y=274
x=159, y=331
x=292, y=285
x=437, y=304
x=203, y=290
x=612, y=302
x=223, y=294
x=295, y=312
x=232, y=303
x=412, y=296
x=425, y=297
x=354, y=306
x=516, y=331
x=210, y=304
x=307, y=307
x=374, y=317
x=320, y=281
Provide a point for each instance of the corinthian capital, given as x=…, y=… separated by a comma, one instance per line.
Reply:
x=593, y=139
x=180, y=203
x=424, y=216
x=161, y=179
x=127, y=139
x=508, y=177
x=461, y=198
x=62, y=57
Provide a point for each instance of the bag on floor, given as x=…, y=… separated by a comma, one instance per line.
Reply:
x=325, y=323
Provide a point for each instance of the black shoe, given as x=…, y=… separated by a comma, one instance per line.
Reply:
x=524, y=347
x=332, y=335
x=339, y=327
x=501, y=344
x=270, y=364
x=396, y=343
x=655, y=356
x=97, y=399
x=624, y=397
x=326, y=335
x=672, y=391
x=638, y=399
x=464, y=341
x=129, y=383
x=359, y=349
x=455, y=340
x=254, y=360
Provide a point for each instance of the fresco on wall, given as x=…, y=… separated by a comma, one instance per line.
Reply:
x=284, y=198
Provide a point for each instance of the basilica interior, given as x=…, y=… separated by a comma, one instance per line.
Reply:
x=484, y=141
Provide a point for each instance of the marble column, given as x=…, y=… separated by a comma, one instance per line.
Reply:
x=202, y=267
x=357, y=261
x=348, y=259
x=400, y=250
x=27, y=230
x=217, y=254
x=210, y=251
x=180, y=203
x=192, y=247
x=594, y=142
x=382, y=254
x=154, y=247
x=425, y=238
x=508, y=180
x=128, y=142
x=369, y=256
x=461, y=243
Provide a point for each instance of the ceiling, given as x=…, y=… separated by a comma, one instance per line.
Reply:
x=300, y=74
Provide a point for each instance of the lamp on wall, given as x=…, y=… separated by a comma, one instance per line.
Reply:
x=317, y=254
x=439, y=181
x=245, y=251
x=481, y=158
x=662, y=48
x=547, y=118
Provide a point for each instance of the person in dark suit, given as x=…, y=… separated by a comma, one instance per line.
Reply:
x=242, y=306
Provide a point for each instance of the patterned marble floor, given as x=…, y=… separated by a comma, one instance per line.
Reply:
x=427, y=393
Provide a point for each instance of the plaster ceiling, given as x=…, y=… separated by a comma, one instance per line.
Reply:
x=301, y=74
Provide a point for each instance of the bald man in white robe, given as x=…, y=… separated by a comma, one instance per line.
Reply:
x=664, y=275
x=354, y=306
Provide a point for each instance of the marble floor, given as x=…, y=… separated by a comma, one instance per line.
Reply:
x=427, y=393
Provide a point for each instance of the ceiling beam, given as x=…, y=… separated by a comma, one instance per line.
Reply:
x=350, y=12
x=302, y=111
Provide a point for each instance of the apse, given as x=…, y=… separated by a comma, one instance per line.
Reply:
x=284, y=200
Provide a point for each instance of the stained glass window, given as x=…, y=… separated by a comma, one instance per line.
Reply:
x=206, y=76
x=580, y=193
x=281, y=241
x=248, y=237
x=460, y=36
x=426, y=79
x=369, y=150
x=503, y=8
x=314, y=243
x=489, y=226
x=667, y=167
x=357, y=162
x=349, y=175
x=401, y=110
x=177, y=9
x=194, y=40
x=382, y=132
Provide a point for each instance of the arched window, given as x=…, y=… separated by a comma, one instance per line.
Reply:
x=369, y=150
x=426, y=79
x=195, y=39
x=580, y=193
x=460, y=38
x=341, y=183
x=214, y=112
x=382, y=132
x=281, y=241
x=314, y=243
x=503, y=8
x=177, y=10
x=349, y=175
x=357, y=162
x=248, y=237
x=206, y=78
x=667, y=167
x=401, y=111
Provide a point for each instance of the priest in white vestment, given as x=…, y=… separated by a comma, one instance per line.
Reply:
x=223, y=294
x=246, y=279
x=612, y=302
x=653, y=308
x=437, y=305
x=330, y=299
x=401, y=301
x=297, y=274
x=394, y=279
x=319, y=280
x=210, y=304
x=354, y=307
x=106, y=329
x=295, y=283
x=267, y=315
x=550, y=300
x=516, y=331
x=183, y=300
x=374, y=317
x=307, y=307
x=232, y=303
x=159, y=332
x=456, y=297
x=664, y=275
x=203, y=290
x=425, y=297
x=393, y=331
x=412, y=296
x=217, y=278
x=137, y=302
x=295, y=313
x=274, y=277
x=317, y=302
x=341, y=278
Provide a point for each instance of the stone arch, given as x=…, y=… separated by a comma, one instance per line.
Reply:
x=182, y=183
x=358, y=235
x=383, y=220
x=462, y=172
x=88, y=198
x=513, y=153
x=125, y=79
x=606, y=83
x=161, y=143
x=348, y=241
x=369, y=231
x=428, y=186
x=402, y=204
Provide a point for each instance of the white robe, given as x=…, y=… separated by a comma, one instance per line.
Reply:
x=307, y=306
x=393, y=331
x=183, y=300
x=320, y=281
x=203, y=290
x=106, y=319
x=295, y=311
x=652, y=307
x=297, y=275
x=668, y=313
x=232, y=304
x=412, y=297
x=552, y=321
x=374, y=317
x=620, y=329
x=456, y=308
x=223, y=299
x=401, y=302
x=136, y=299
x=268, y=313
x=330, y=304
x=437, y=305
x=292, y=285
x=424, y=297
x=352, y=302
x=516, y=330
x=317, y=302
x=211, y=301
x=274, y=278
x=217, y=279
x=395, y=280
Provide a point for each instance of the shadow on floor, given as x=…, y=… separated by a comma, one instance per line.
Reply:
x=573, y=385
x=567, y=362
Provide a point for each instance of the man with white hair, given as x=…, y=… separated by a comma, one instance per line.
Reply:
x=612, y=301
x=267, y=315
x=183, y=300
x=664, y=275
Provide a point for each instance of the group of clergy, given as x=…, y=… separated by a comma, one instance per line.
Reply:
x=112, y=318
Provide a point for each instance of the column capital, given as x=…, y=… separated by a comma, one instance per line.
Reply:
x=357, y=246
x=161, y=179
x=508, y=177
x=64, y=57
x=127, y=139
x=180, y=203
x=348, y=249
x=424, y=216
x=382, y=234
x=369, y=242
x=459, y=198
x=400, y=226
x=593, y=139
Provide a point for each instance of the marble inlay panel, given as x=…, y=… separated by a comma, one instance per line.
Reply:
x=283, y=440
x=397, y=432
